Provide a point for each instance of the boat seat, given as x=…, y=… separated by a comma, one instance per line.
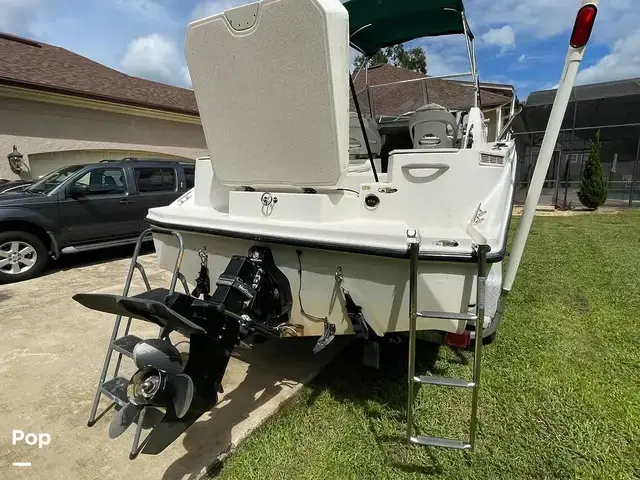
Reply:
x=357, y=147
x=432, y=126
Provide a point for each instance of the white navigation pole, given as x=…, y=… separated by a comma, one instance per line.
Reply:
x=579, y=38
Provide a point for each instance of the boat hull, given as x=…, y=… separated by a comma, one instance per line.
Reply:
x=380, y=285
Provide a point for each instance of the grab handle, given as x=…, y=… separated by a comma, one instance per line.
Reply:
x=435, y=166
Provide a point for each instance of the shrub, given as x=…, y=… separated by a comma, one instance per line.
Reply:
x=593, y=184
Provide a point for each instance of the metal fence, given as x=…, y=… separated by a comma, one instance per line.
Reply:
x=610, y=108
x=619, y=159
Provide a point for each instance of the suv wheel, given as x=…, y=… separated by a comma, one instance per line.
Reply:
x=22, y=256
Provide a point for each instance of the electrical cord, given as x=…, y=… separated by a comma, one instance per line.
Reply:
x=317, y=319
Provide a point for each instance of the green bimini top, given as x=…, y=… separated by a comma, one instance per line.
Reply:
x=376, y=24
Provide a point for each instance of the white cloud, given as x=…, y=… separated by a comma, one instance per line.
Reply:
x=540, y=19
x=146, y=11
x=18, y=15
x=622, y=62
x=503, y=37
x=439, y=63
x=535, y=20
x=206, y=9
x=156, y=57
x=186, y=77
x=445, y=55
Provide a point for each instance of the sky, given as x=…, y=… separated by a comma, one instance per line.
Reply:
x=519, y=42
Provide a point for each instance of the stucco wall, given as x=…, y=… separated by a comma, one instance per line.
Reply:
x=38, y=127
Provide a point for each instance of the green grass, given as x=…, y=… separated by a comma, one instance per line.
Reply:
x=561, y=386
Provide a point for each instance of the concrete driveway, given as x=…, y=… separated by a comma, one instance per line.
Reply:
x=51, y=353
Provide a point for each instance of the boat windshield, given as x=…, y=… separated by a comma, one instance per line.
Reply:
x=47, y=183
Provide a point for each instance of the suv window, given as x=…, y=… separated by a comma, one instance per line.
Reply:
x=189, y=177
x=47, y=183
x=103, y=181
x=155, y=179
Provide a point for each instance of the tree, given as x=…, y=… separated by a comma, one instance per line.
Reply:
x=593, y=185
x=412, y=59
x=379, y=57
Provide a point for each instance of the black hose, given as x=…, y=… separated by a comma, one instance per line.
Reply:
x=364, y=132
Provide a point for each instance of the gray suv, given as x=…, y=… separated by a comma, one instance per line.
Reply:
x=84, y=207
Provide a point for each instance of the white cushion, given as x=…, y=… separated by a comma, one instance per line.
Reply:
x=271, y=82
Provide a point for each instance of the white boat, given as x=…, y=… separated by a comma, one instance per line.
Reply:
x=303, y=238
x=277, y=127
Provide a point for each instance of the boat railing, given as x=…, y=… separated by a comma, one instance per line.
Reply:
x=423, y=79
x=399, y=99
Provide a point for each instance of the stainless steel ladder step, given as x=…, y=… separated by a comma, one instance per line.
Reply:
x=477, y=318
x=115, y=388
x=467, y=316
x=444, y=381
x=440, y=442
x=126, y=344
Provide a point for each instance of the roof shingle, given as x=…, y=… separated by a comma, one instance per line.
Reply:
x=46, y=67
x=406, y=97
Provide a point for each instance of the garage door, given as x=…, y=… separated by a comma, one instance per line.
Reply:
x=43, y=163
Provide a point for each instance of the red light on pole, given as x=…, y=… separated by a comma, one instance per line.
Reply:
x=583, y=26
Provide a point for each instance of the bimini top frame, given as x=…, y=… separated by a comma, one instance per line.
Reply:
x=384, y=23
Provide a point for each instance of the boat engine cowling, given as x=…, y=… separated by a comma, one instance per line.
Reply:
x=254, y=285
x=251, y=291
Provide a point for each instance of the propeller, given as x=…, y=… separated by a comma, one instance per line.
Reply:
x=159, y=382
x=158, y=353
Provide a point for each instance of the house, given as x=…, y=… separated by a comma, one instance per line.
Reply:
x=59, y=108
x=391, y=98
x=388, y=91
